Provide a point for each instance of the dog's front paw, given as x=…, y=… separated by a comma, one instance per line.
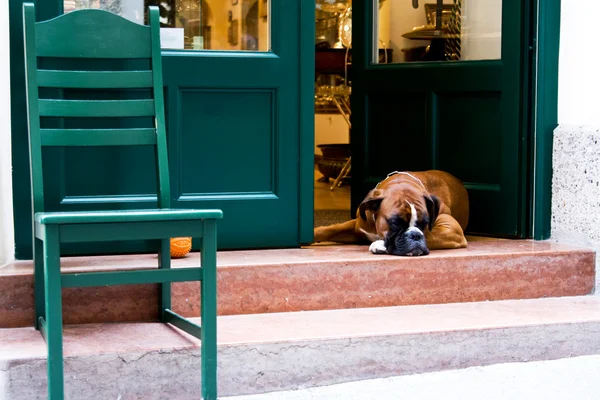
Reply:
x=378, y=247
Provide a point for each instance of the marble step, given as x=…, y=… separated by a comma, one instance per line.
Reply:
x=263, y=353
x=317, y=278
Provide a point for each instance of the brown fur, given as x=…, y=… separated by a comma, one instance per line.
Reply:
x=391, y=196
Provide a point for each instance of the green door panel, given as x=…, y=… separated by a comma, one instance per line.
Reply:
x=240, y=138
x=250, y=154
x=464, y=117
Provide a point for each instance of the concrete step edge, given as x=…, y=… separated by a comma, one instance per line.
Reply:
x=256, y=355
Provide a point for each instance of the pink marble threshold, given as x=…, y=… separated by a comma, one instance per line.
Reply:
x=478, y=246
x=317, y=278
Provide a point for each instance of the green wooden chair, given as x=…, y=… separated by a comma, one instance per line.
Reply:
x=98, y=35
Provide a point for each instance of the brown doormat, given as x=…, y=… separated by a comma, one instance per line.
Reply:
x=330, y=217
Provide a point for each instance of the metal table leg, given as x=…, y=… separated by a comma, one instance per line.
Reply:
x=346, y=169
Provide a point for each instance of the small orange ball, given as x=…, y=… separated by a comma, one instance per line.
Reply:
x=180, y=246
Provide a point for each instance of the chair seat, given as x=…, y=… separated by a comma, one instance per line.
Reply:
x=116, y=216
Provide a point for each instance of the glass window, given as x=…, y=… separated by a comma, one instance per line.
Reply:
x=443, y=30
x=197, y=24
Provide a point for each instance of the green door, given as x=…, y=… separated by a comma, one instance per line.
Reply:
x=459, y=105
x=238, y=78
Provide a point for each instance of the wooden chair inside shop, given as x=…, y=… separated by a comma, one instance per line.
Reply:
x=99, y=36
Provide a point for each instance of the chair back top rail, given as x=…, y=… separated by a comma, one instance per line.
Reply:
x=92, y=34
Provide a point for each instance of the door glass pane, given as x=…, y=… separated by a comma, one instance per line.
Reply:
x=197, y=24
x=468, y=30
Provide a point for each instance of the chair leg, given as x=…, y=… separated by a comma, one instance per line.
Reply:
x=164, y=261
x=209, y=310
x=38, y=281
x=53, y=313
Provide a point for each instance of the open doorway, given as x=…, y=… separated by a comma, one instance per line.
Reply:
x=463, y=104
x=333, y=161
x=452, y=85
x=333, y=83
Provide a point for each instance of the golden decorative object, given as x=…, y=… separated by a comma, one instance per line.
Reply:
x=180, y=246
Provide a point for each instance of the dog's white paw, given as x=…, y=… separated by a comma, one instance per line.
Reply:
x=377, y=247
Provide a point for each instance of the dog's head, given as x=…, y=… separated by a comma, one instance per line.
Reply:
x=401, y=216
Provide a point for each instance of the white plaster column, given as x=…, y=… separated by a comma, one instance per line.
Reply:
x=7, y=242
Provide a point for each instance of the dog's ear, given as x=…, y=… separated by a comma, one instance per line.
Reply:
x=433, y=209
x=369, y=204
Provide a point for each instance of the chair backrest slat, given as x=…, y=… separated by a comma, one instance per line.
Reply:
x=159, y=104
x=96, y=108
x=99, y=137
x=95, y=79
x=94, y=66
x=92, y=34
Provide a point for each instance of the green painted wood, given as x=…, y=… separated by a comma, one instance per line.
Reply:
x=43, y=328
x=111, y=232
x=307, y=122
x=35, y=148
x=53, y=306
x=39, y=293
x=157, y=226
x=95, y=79
x=182, y=323
x=240, y=137
x=164, y=262
x=164, y=190
x=98, y=137
x=246, y=105
x=96, y=108
x=546, y=105
x=121, y=216
x=208, y=310
x=469, y=76
x=88, y=34
x=466, y=118
x=35, y=155
x=91, y=279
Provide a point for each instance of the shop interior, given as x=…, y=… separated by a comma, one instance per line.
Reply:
x=408, y=31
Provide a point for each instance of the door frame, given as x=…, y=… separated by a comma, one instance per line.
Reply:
x=307, y=125
x=540, y=104
x=545, y=109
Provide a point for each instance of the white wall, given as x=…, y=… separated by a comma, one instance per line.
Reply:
x=576, y=154
x=330, y=129
x=481, y=30
x=6, y=218
x=383, y=23
x=579, y=83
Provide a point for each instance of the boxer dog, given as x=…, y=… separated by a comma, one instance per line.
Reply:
x=407, y=214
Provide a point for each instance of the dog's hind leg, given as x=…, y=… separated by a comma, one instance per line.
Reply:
x=340, y=233
x=446, y=234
